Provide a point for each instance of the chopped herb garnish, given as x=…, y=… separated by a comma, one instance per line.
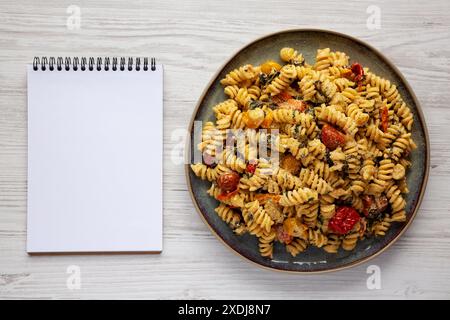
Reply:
x=255, y=104
x=265, y=79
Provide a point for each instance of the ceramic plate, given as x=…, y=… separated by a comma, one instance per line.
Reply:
x=307, y=41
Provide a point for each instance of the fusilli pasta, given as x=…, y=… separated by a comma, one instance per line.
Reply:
x=344, y=137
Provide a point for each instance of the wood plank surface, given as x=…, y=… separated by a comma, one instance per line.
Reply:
x=192, y=38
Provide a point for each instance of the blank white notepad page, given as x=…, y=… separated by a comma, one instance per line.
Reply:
x=95, y=161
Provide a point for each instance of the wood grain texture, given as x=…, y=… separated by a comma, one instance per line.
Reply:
x=192, y=38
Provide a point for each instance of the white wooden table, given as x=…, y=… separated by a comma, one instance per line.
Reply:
x=192, y=38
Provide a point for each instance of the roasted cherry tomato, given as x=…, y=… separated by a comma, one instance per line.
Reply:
x=357, y=71
x=228, y=182
x=283, y=236
x=226, y=195
x=251, y=168
x=384, y=119
x=367, y=200
x=331, y=137
x=374, y=206
x=343, y=220
x=269, y=65
x=370, y=208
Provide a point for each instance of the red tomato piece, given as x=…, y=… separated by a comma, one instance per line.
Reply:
x=284, y=96
x=343, y=220
x=357, y=71
x=331, y=137
x=347, y=73
x=226, y=195
x=251, y=168
x=283, y=236
x=228, y=182
x=367, y=203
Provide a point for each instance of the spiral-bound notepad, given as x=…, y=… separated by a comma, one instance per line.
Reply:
x=95, y=144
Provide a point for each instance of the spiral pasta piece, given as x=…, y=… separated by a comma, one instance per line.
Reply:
x=332, y=116
x=374, y=80
x=326, y=89
x=358, y=186
x=308, y=212
x=317, y=238
x=290, y=55
x=313, y=181
x=257, y=215
x=239, y=75
x=385, y=170
x=233, y=120
x=285, y=180
x=228, y=215
x=212, y=139
x=396, y=200
x=368, y=170
x=304, y=123
x=391, y=135
x=380, y=228
x=400, y=146
x=298, y=196
x=296, y=247
x=266, y=243
x=323, y=170
x=244, y=98
x=372, y=93
x=204, y=172
x=274, y=211
x=308, y=89
x=307, y=128
x=349, y=241
x=258, y=179
x=333, y=243
x=339, y=59
x=404, y=112
x=323, y=60
x=230, y=160
x=354, y=112
x=375, y=134
x=327, y=207
x=231, y=90
x=288, y=73
x=343, y=83
x=376, y=187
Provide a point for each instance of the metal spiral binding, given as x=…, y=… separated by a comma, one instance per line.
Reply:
x=92, y=64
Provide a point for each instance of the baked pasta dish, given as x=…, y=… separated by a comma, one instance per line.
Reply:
x=307, y=154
